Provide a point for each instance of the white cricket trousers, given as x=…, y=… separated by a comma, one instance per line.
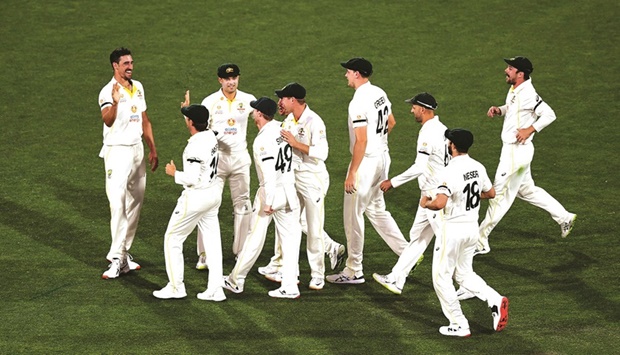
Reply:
x=288, y=228
x=234, y=167
x=425, y=223
x=453, y=256
x=368, y=200
x=195, y=207
x=513, y=178
x=125, y=182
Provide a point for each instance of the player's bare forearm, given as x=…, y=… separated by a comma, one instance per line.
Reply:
x=147, y=133
x=108, y=115
x=391, y=122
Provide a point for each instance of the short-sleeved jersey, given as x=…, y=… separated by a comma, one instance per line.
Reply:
x=229, y=119
x=464, y=179
x=370, y=107
x=199, y=161
x=127, y=128
x=524, y=108
x=273, y=158
x=431, y=159
x=309, y=130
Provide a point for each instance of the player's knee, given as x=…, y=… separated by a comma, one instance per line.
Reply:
x=243, y=207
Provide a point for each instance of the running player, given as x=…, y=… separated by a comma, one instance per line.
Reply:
x=431, y=159
x=525, y=113
x=464, y=184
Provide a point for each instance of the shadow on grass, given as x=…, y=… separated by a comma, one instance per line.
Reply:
x=50, y=231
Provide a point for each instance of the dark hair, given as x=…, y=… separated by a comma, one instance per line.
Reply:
x=200, y=126
x=526, y=75
x=116, y=54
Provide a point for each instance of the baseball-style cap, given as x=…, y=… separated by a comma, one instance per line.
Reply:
x=292, y=90
x=424, y=99
x=359, y=64
x=521, y=63
x=197, y=113
x=228, y=70
x=265, y=105
x=462, y=138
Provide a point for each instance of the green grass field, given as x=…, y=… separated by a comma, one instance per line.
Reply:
x=54, y=213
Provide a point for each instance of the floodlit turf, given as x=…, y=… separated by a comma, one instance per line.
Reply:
x=54, y=215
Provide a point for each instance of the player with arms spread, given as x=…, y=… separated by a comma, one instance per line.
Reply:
x=370, y=121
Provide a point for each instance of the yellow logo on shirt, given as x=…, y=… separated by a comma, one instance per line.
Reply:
x=231, y=121
x=134, y=109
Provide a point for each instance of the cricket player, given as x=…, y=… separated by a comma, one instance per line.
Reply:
x=275, y=199
x=525, y=113
x=198, y=206
x=431, y=158
x=370, y=121
x=125, y=122
x=229, y=109
x=464, y=184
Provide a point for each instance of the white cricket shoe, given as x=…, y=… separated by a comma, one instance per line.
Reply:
x=275, y=277
x=115, y=269
x=282, y=293
x=567, y=227
x=215, y=294
x=202, y=261
x=464, y=294
x=269, y=269
x=336, y=255
x=342, y=278
x=233, y=288
x=316, y=283
x=170, y=292
x=389, y=282
x=132, y=264
x=499, y=312
x=455, y=330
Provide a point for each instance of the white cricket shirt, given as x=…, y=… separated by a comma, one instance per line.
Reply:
x=199, y=161
x=463, y=180
x=127, y=128
x=524, y=108
x=370, y=107
x=309, y=130
x=431, y=158
x=229, y=119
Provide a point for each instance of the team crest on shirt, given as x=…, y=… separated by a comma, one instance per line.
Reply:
x=109, y=173
x=122, y=98
x=240, y=108
x=134, y=109
x=231, y=121
x=301, y=133
x=100, y=101
x=139, y=94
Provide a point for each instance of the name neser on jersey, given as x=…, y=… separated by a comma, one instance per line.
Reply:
x=470, y=175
